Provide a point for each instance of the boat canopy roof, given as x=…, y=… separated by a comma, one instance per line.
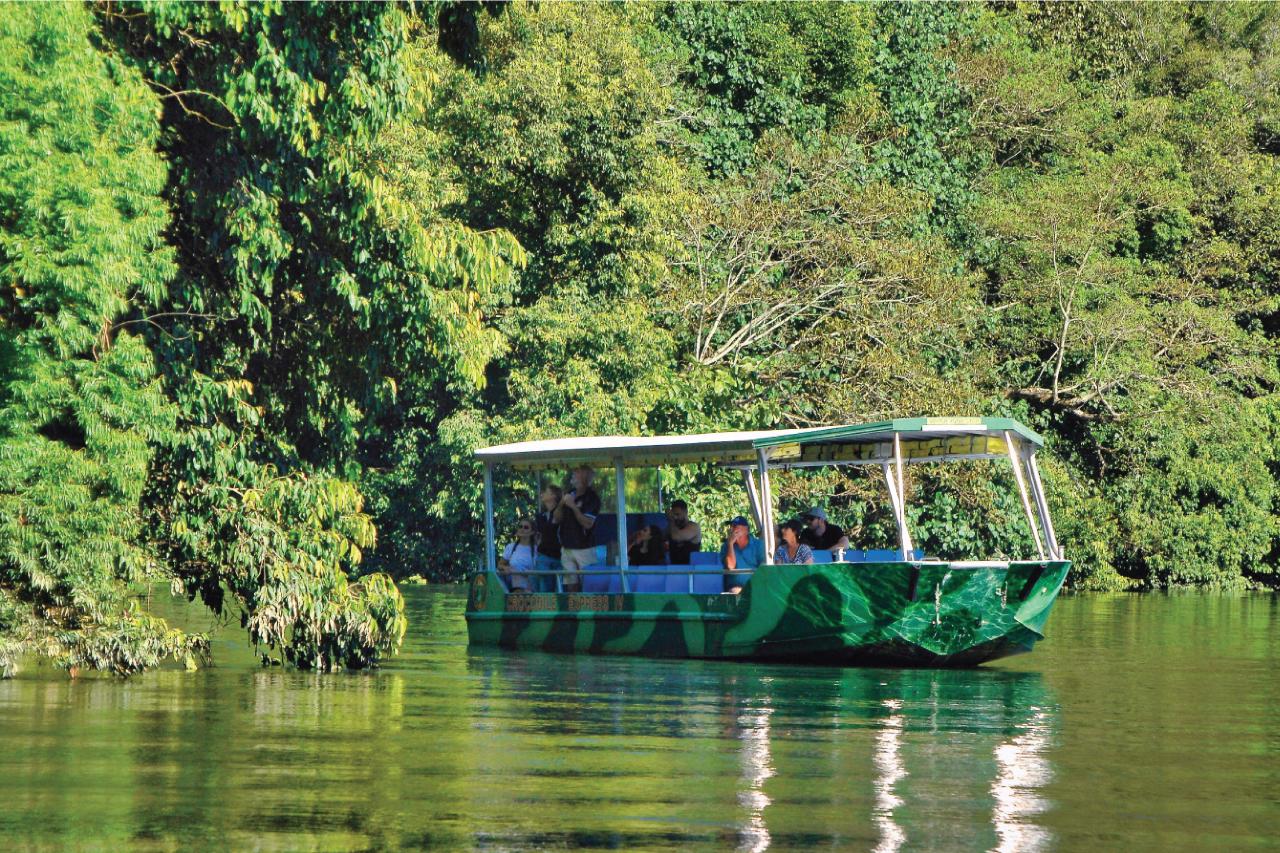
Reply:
x=920, y=440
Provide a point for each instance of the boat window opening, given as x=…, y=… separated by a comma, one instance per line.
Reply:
x=861, y=499
x=644, y=481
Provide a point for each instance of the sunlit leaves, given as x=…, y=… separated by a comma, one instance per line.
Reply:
x=318, y=285
x=80, y=404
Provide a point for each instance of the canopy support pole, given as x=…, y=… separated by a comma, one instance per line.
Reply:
x=620, y=481
x=766, y=506
x=490, y=552
x=1037, y=489
x=894, y=501
x=904, y=535
x=753, y=496
x=1016, y=461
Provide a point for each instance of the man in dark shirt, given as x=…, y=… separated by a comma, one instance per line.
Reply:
x=576, y=516
x=683, y=536
x=820, y=534
x=548, y=559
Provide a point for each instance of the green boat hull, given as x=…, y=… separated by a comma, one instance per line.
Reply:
x=905, y=614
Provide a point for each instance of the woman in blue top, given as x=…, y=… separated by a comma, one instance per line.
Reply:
x=791, y=551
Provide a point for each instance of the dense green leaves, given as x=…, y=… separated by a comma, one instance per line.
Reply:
x=1051, y=211
x=271, y=272
x=1135, y=275
x=313, y=287
x=748, y=68
x=81, y=245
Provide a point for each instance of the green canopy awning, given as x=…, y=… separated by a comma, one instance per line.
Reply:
x=921, y=440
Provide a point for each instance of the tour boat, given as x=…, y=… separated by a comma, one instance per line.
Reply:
x=874, y=607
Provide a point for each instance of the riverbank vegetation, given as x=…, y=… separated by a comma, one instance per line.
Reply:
x=272, y=272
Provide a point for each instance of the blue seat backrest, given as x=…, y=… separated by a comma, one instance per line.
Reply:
x=853, y=555
x=708, y=584
x=658, y=518
x=917, y=554
x=881, y=555
x=606, y=528
x=597, y=583
x=677, y=579
x=705, y=559
x=821, y=555
x=648, y=581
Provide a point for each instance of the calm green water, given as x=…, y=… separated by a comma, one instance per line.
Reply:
x=1143, y=722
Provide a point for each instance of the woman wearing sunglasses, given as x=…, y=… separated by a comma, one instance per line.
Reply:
x=518, y=557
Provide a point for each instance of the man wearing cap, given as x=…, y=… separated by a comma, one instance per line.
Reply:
x=821, y=535
x=741, y=550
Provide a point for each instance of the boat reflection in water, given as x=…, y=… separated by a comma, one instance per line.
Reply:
x=780, y=756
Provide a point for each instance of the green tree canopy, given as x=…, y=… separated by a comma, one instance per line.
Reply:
x=81, y=248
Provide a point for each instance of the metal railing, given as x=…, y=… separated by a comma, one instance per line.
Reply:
x=624, y=574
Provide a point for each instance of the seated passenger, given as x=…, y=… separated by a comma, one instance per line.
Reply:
x=548, y=559
x=791, y=551
x=741, y=550
x=575, y=517
x=647, y=547
x=820, y=535
x=518, y=558
x=684, y=536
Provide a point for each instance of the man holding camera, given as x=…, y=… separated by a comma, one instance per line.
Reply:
x=576, y=516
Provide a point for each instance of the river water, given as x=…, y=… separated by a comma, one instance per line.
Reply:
x=1145, y=722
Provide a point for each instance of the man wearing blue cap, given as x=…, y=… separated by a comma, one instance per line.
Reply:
x=741, y=550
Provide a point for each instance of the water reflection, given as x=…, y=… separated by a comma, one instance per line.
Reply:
x=457, y=748
x=756, y=769
x=1154, y=726
x=874, y=758
x=889, y=770
x=1024, y=770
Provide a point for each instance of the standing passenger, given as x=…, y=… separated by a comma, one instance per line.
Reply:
x=576, y=516
x=741, y=550
x=684, y=536
x=548, y=539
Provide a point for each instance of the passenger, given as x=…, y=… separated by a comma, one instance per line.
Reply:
x=518, y=557
x=548, y=540
x=821, y=536
x=684, y=536
x=575, y=516
x=741, y=550
x=647, y=547
x=792, y=551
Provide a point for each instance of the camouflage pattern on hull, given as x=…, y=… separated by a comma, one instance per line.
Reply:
x=912, y=614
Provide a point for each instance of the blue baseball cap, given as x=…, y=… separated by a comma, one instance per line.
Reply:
x=739, y=519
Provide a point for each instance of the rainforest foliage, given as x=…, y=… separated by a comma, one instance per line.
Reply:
x=272, y=271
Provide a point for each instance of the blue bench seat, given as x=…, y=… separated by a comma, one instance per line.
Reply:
x=611, y=582
x=648, y=579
